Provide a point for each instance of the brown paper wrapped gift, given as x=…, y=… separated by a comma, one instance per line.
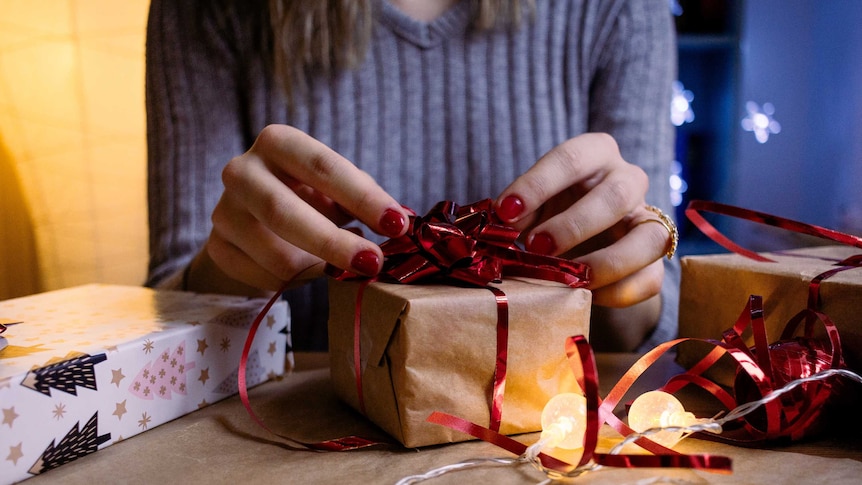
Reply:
x=715, y=288
x=427, y=348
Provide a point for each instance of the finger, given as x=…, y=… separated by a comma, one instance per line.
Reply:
x=312, y=163
x=599, y=209
x=320, y=202
x=604, y=206
x=236, y=264
x=239, y=266
x=250, y=184
x=581, y=187
x=634, y=288
x=641, y=246
x=581, y=161
x=265, y=255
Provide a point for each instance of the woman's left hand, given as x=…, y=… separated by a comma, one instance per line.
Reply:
x=582, y=201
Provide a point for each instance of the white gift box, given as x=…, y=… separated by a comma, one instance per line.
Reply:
x=92, y=365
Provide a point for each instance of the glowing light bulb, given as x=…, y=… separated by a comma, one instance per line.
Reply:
x=678, y=185
x=658, y=409
x=564, y=421
x=760, y=121
x=680, y=105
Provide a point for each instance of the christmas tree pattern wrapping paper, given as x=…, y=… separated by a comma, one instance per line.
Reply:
x=96, y=364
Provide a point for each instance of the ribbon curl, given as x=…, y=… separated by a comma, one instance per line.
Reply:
x=768, y=366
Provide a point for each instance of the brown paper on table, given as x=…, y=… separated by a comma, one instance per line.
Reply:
x=427, y=348
x=220, y=444
x=715, y=289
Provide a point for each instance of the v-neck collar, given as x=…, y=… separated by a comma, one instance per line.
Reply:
x=426, y=34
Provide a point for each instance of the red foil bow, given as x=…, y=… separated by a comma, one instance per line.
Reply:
x=468, y=244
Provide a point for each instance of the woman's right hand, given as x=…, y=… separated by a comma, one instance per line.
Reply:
x=279, y=218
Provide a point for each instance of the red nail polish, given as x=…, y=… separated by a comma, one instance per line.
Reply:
x=510, y=208
x=392, y=223
x=366, y=262
x=542, y=243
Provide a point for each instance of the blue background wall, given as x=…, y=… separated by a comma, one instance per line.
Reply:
x=805, y=57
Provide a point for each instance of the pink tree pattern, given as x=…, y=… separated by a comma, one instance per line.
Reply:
x=164, y=376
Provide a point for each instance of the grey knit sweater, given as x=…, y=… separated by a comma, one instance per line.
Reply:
x=437, y=111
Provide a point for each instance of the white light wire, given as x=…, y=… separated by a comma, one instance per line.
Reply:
x=477, y=462
x=531, y=455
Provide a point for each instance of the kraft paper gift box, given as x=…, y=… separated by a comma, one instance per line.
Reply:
x=427, y=348
x=715, y=288
x=93, y=365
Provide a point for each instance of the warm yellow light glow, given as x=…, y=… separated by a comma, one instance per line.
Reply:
x=72, y=132
x=564, y=421
x=658, y=409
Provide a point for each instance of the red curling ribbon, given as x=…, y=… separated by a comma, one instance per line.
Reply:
x=790, y=416
x=501, y=365
x=793, y=415
x=814, y=287
x=711, y=463
x=357, y=346
x=340, y=444
x=466, y=244
x=490, y=436
x=580, y=356
x=696, y=206
x=791, y=357
x=786, y=416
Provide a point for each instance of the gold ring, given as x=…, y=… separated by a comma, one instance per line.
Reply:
x=668, y=224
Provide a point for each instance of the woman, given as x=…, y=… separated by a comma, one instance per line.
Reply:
x=314, y=114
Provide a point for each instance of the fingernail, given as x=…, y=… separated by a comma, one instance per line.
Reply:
x=392, y=223
x=366, y=262
x=510, y=208
x=542, y=243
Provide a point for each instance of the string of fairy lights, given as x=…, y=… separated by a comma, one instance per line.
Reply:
x=563, y=425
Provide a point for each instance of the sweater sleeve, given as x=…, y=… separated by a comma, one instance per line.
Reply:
x=634, y=67
x=193, y=129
